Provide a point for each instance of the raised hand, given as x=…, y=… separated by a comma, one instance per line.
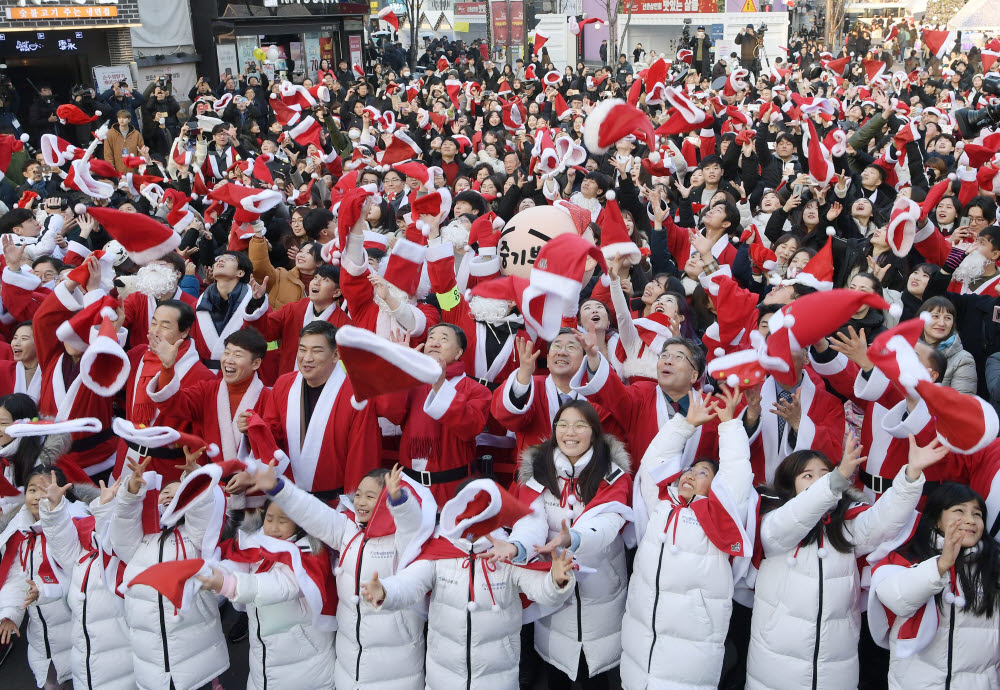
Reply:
x=700, y=411
x=854, y=346
x=394, y=482
x=527, y=357
x=191, y=458
x=725, y=407
x=560, y=541
x=135, y=481
x=259, y=289
x=499, y=551
x=213, y=581
x=266, y=477
x=834, y=211
x=952, y=546
x=87, y=224
x=561, y=569
x=615, y=267
x=852, y=458
x=922, y=457
x=109, y=492
x=791, y=410
x=701, y=243
x=243, y=421
x=876, y=270
x=373, y=591
x=53, y=491
x=13, y=253
x=164, y=350
x=239, y=483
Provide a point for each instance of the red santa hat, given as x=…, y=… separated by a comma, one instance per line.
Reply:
x=580, y=216
x=655, y=82
x=359, y=71
x=285, y=114
x=80, y=178
x=175, y=580
x=820, y=161
x=735, y=82
x=262, y=173
x=479, y=508
x=387, y=15
x=376, y=240
x=803, y=322
x=417, y=171
x=514, y=115
x=27, y=198
x=376, y=365
x=437, y=204
x=104, y=365
x=555, y=281
x=933, y=198
x=348, y=214
x=249, y=202
x=741, y=369
x=988, y=178
x=902, y=226
x=405, y=265
x=938, y=42
x=892, y=352
x=529, y=73
x=134, y=182
x=736, y=314
x=81, y=275
x=683, y=117
x=989, y=54
x=503, y=88
x=202, y=484
x=593, y=83
x=874, y=70
x=145, y=239
x=552, y=78
x=485, y=234
x=762, y=259
x=401, y=148
x=57, y=151
x=686, y=56
x=575, y=27
x=161, y=437
x=181, y=156
x=307, y=132
x=180, y=215
x=614, y=119
x=615, y=238
x=540, y=39
x=47, y=427
x=965, y=423
x=70, y=114
x=818, y=272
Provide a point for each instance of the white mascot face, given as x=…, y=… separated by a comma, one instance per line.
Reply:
x=526, y=232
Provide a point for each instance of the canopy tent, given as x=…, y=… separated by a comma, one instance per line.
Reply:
x=977, y=15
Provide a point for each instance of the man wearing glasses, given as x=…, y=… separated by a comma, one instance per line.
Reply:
x=641, y=408
x=527, y=402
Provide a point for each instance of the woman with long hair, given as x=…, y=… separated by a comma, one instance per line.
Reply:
x=579, y=488
x=690, y=523
x=942, y=589
x=807, y=605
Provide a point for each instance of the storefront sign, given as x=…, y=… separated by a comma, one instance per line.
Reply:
x=669, y=6
x=28, y=15
x=26, y=44
x=471, y=10
x=106, y=77
x=354, y=44
x=32, y=13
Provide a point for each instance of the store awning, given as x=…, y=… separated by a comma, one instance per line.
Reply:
x=252, y=20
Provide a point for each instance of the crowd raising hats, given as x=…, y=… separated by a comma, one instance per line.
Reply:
x=675, y=373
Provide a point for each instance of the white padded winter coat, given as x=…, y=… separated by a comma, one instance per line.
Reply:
x=963, y=656
x=472, y=643
x=102, y=654
x=591, y=620
x=50, y=622
x=807, y=605
x=680, y=596
x=187, y=649
x=286, y=648
x=376, y=649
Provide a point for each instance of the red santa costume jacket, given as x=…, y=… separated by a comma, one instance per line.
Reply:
x=20, y=296
x=641, y=409
x=532, y=423
x=141, y=409
x=935, y=247
x=887, y=425
x=679, y=244
x=821, y=428
x=64, y=400
x=211, y=342
x=285, y=324
x=439, y=429
x=340, y=444
x=139, y=310
x=13, y=379
x=365, y=313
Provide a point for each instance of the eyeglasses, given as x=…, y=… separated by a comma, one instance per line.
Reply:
x=675, y=358
x=976, y=221
x=568, y=348
x=700, y=473
x=578, y=427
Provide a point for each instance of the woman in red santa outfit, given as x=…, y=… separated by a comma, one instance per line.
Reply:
x=32, y=580
x=690, y=522
x=380, y=531
x=936, y=598
x=578, y=485
x=807, y=603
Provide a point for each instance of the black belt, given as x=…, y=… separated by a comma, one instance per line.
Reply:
x=164, y=453
x=492, y=385
x=881, y=484
x=90, y=442
x=442, y=477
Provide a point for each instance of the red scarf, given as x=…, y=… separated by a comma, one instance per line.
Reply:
x=143, y=408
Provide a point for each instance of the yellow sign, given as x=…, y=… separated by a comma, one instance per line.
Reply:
x=461, y=27
x=28, y=13
x=748, y=6
x=374, y=5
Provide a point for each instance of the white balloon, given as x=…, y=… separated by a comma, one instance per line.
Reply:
x=273, y=54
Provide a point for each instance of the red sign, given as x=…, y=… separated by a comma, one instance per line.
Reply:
x=502, y=34
x=470, y=9
x=669, y=6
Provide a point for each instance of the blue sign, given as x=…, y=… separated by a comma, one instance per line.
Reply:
x=717, y=32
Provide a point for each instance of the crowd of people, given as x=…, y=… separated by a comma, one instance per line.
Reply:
x=499, y=376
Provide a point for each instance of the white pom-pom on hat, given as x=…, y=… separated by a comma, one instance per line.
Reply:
x=732, y=380
x=926, y=316
x=655, y=157
x=895, y=310
x=952, y=176
x=97, y=113
x=830, y=230
x=498, y=223
x=789, y=320
x=719, y=351
x=109, y=313
x=496, y=608
x=80, y=209
x=610, y=196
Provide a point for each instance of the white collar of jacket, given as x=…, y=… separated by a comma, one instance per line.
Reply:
x=567, y=469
